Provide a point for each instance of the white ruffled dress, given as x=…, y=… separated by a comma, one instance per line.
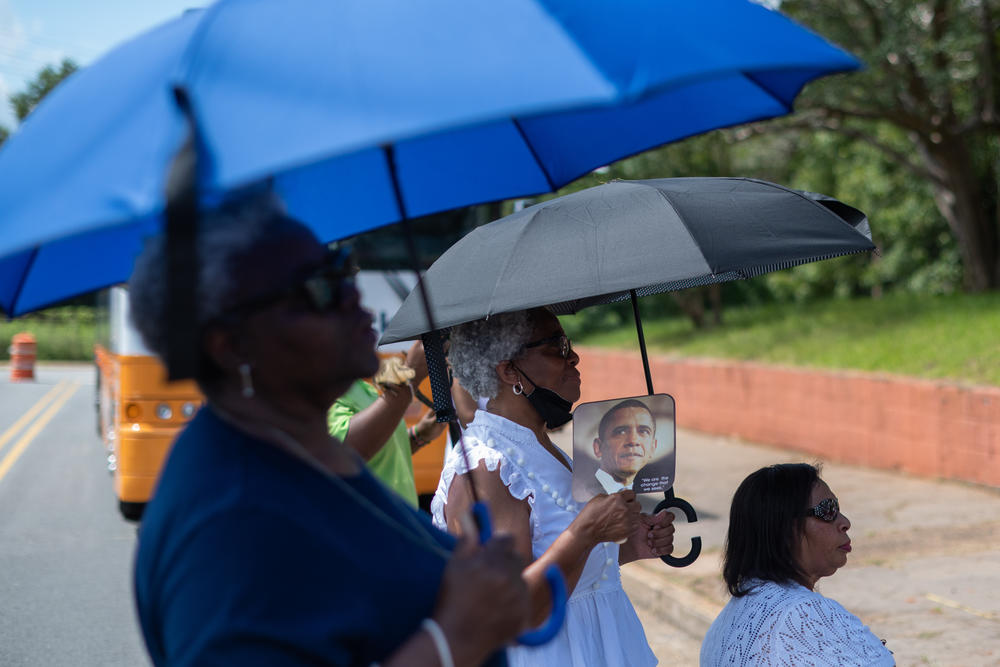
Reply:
x=601, y=625
x=789, y=625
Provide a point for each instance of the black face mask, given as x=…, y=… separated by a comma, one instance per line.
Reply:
x=549, y=405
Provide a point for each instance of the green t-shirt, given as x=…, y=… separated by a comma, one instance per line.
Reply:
x=393, y=464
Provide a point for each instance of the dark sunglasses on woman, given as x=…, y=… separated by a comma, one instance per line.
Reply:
x=825, y=510
x=560, y=340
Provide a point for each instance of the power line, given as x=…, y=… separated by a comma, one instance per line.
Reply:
x=45, y=42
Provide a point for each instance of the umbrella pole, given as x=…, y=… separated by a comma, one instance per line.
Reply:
x=642, y=342
x=669, y=499
x=181, y=228
x=433, y=345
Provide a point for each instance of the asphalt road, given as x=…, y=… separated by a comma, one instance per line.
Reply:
x=65, y=552
x=924, y=574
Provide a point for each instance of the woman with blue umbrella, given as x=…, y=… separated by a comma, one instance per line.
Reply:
x=267, y=542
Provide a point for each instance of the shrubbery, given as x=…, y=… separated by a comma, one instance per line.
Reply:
x=67, y=333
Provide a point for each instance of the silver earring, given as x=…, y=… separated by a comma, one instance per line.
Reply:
x=518, y=388
x=246, y=379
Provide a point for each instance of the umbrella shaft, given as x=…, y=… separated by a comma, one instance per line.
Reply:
x=642, y=342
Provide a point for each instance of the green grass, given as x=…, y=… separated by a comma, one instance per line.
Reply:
x=61, y=334
x=954, y=337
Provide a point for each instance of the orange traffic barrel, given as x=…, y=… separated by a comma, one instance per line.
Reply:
x=22, y=357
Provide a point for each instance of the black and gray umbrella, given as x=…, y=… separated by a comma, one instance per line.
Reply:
x=601, y=244
x=619, y=241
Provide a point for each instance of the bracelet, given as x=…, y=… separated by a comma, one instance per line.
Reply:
x=440, y=641
x=415, y=439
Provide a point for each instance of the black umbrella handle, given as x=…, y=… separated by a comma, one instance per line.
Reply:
x=437, y=371
x=670, y=500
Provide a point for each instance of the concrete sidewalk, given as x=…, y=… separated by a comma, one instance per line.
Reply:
x=924, y=573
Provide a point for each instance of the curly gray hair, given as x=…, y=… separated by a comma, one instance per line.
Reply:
x=224, y=237
x=477, y=347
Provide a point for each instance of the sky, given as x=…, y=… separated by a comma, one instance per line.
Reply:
x=36, y=33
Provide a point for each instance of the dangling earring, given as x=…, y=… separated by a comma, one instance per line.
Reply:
x=518, y=388
x=246, y=379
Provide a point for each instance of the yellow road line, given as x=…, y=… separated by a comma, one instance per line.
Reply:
x=961, y=607
x=30, y=434
x=30, y=414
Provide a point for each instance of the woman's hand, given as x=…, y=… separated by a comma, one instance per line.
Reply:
x=483, y=601
x=416, y=360
x=653, y=537
x=608, y=518
x=426, y=430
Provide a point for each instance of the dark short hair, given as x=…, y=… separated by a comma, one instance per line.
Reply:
x=765, y=522
x=225, y=237
x=627, y=403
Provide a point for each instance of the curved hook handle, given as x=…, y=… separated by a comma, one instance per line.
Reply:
x=551, y=627
x=557, y=586
x=481, y=515
x=669, y=500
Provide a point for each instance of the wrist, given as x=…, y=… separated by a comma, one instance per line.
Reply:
x=440, y=640
x=627, y=552
x=397, y=393
x=583, y=535
x=416, y=441
x=465, y=649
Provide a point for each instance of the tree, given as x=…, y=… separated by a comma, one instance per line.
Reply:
x=47, y=79
x=4, y=133
x=932, y=74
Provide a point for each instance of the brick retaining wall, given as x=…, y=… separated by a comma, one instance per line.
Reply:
x=929, y=428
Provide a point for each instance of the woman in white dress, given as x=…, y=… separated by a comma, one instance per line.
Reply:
x=785, y=532
x=524, y=364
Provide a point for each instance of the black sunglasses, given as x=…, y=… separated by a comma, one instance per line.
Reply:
x=562, y=340
x=322, y=288
x=825, y=510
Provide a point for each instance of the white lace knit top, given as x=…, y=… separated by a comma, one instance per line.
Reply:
x=787, y=624
x=601, y=629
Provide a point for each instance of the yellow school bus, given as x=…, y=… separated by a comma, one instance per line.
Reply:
x=138, y=412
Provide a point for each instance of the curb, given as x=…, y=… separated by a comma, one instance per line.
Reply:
x=668, y=602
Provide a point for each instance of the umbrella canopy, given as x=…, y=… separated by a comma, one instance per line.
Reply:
x=478, y=102
x=597, y=245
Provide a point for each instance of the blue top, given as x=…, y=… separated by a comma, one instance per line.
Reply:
x=249, y=556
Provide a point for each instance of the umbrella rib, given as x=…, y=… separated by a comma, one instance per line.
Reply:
x=813, y=202
x=767, y=91
x=534, y=155
x=503, y=270
x=16, y=296
x=691, y=236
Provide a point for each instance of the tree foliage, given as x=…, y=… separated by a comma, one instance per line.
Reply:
x=927, y=100
x=47, y=79
x=912, y=140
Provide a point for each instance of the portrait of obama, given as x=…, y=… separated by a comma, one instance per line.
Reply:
x=625, y=442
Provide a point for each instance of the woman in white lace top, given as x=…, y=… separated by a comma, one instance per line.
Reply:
x=525, y=365
x=785, y=532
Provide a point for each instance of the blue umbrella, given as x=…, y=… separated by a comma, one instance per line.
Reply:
x=477, y=102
